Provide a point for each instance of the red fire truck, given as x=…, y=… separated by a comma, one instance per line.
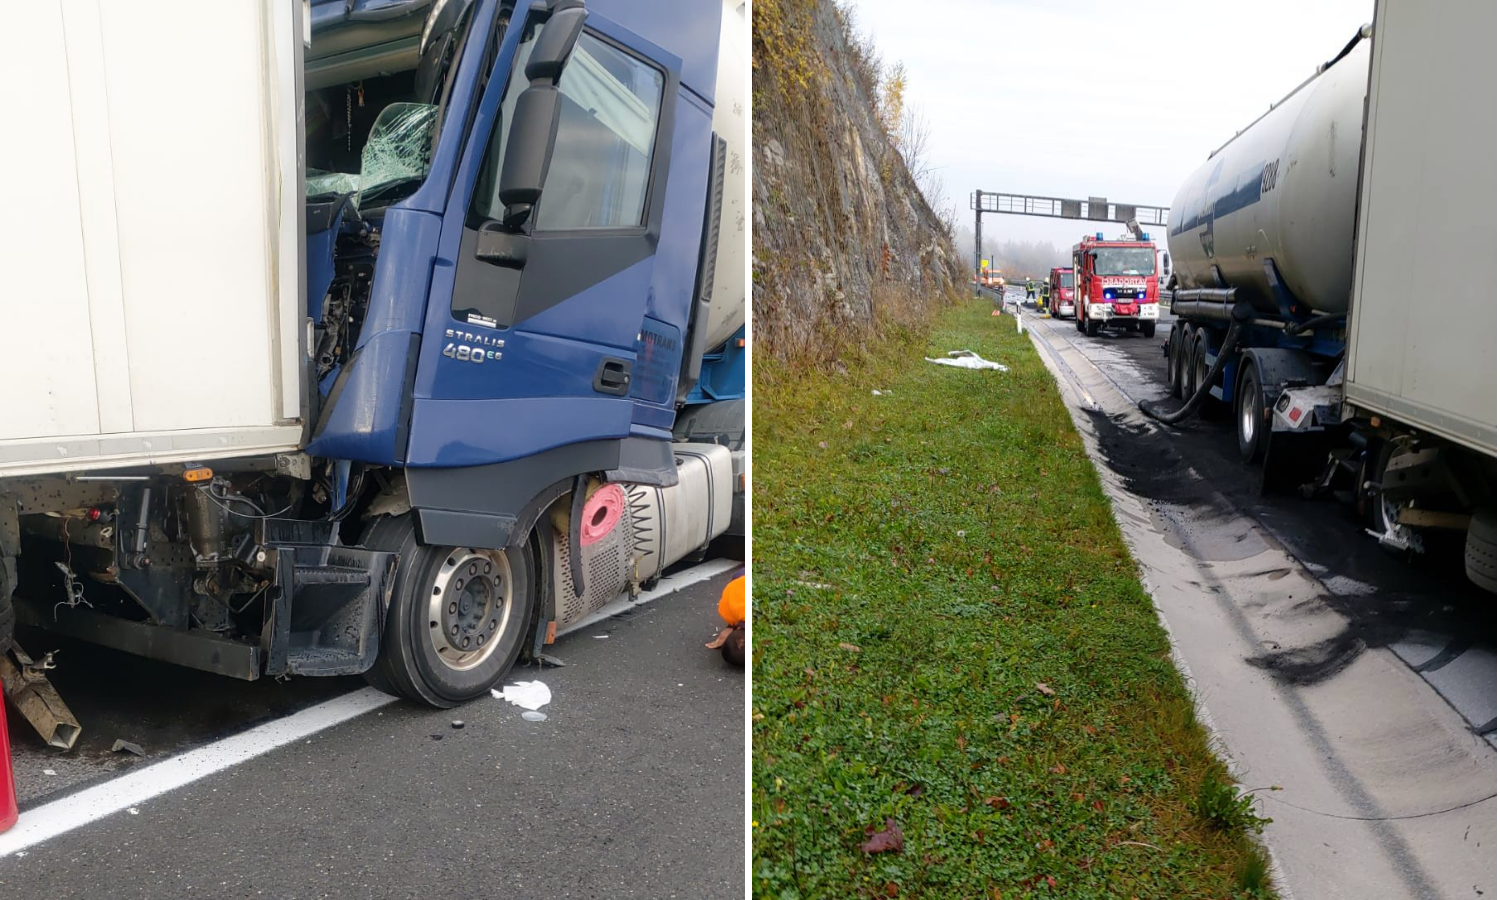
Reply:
x=1116, y=284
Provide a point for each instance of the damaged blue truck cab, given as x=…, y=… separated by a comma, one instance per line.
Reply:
x=512, y=219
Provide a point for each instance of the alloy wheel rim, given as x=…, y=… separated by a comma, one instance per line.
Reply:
x=469, y=606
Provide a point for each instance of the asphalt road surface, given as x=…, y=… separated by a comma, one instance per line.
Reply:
x=633, y=786
x=1425, y=610
x=1353, y=690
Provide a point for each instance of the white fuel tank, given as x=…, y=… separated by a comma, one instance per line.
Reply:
x=1283, y=189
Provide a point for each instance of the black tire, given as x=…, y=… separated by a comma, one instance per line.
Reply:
x=409, y=664
x=6, y=606
x=1174, y=369
x=1252, y=431
x=1091, y=328
x=1148, y=329
x=1479, y=550
x=1194, y=343
x=1368, y=500
x=1211, y=409
x=1078, y=323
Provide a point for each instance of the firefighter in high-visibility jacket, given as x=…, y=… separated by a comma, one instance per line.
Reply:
x=731, y=638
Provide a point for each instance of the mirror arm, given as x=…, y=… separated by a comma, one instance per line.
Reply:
x=500, y=246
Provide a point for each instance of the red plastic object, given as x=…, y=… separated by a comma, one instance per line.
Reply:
x=601, y=513
x=8, y=810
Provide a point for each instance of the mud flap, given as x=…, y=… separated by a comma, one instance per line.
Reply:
x=326, y=609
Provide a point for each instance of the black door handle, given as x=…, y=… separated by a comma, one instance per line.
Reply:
x=613, y=377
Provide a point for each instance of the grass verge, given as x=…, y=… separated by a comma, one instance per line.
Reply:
x=951, y=635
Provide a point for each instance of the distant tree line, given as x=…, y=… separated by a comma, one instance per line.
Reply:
x=1014, y=259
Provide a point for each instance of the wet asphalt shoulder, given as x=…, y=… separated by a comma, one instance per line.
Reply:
x=632, y=787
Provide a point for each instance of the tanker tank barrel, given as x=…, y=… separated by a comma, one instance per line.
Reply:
x=1271, y=213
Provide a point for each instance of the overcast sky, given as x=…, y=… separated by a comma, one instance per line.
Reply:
x=1112, y=99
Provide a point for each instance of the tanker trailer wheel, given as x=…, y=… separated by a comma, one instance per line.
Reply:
x=1192, y=345
x=1200, y=367
x=458, y=618
x=1174, y=362
x=1250, y=426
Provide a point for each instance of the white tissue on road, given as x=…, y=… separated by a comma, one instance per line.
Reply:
x=531, y=695
x=967, y=359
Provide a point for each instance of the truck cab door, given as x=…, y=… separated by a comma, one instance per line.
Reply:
x=538, y=301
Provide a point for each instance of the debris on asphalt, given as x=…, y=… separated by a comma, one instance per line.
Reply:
x=600, y=637
x=532, y=695
x=967, y=359
x=127, y=746
x=436, y=737
x=133, y=811
x=458, y=724
x=532, y=715
x=49, y=771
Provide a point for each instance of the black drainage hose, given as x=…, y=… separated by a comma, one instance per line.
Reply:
x=1242, y=313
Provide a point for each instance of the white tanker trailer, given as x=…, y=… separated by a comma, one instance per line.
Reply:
x=1334, y=282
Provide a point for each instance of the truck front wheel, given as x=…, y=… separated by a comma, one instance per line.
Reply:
x=1148, y=329
x=458, y=617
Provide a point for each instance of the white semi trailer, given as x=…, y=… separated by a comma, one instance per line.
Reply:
x=1328, y=282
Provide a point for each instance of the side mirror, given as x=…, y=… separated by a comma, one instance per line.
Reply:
x=533, y=126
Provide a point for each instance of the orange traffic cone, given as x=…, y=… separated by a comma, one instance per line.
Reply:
x=8, y=810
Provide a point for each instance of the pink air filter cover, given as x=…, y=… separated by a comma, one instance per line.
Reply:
x=601, y=512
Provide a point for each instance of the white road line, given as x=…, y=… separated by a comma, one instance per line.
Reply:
x=668, y=585
x=134, y=788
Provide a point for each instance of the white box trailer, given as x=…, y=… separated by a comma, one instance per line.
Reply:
x=1422, y=329
x=150, y=266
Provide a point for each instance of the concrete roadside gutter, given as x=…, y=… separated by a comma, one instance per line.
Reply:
x=1383, y=789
